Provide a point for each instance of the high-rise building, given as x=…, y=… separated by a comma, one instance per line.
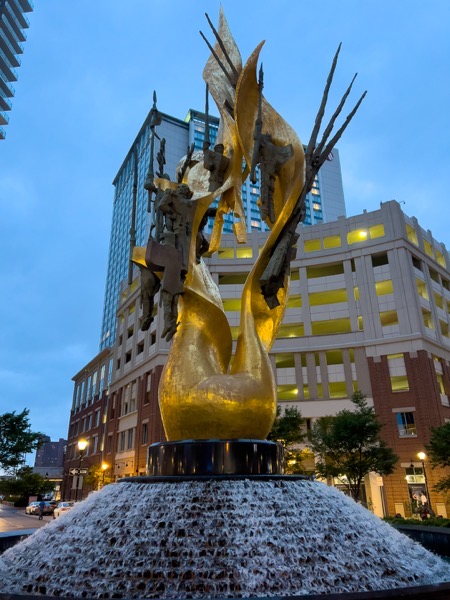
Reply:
x=324, y=203
x=369, y=309
x=13, y=22
x=49, y=459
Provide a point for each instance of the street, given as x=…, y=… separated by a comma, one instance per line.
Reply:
x=12, y=519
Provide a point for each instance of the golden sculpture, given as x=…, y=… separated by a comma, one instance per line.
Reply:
x=204, y=392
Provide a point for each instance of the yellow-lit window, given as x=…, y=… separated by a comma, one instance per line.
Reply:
x=292, y=330
x=315, y=192
x=295, y=275
x=427, y=319
x=428, y=248
x=124, y=295
x=422, y=289
x=325, y=270
x=438, y=300
x=287, y=392
x=376, y=231
x=337, y=389
x=397, y=373
x=316, y=206
x=232, y=278
x=331, y=297
x=388, y=318
x=226, y=253
x=383, y=288
x=358, y=235
x=360, y=324
x=356, y=293
x=444, y=328
x=440, y=383
x=132, y=308
x=332, y=241
x=232, y=305
x=312, y=245
x=134, y=285
x=121, y=317
x=244, y=252
x=440, y=258
x=306, y=391
x=412, y=235
x=294, y=301
x=284, y=361
x=234, y=332
x=331, y=327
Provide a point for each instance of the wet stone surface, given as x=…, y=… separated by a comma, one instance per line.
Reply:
x=216, y=539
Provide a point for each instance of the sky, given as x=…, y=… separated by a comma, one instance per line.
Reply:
x=85, y=87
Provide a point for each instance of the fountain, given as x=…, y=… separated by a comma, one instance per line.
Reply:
x=215, y=517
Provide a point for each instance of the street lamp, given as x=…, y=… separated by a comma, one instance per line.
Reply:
x=82, y=445
x=104, y=467
x=422, y=456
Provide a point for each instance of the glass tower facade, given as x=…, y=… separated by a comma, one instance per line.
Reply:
x=324, y=203
x=13, y=22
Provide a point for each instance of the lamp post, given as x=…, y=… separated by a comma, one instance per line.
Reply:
x=422, y=456
x=104, y=467
x=82, y=445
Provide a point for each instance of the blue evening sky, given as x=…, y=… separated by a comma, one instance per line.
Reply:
x=85, y=86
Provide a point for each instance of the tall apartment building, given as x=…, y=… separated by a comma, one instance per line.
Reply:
x=324, y=203
x=13, y=22
x=49, y=459
x=368, y=309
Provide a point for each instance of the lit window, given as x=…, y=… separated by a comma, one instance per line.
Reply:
x=312, y=245
x=244, y=252
x=388, y=318
x=383, y=288
x=332, y=241
x=358, y=235
x=232, y=305
x=226, y=253
x=376, y=231
x=406, y=425
x=411, y=233
x=317, y=206
x=397, y=373
x=331, y=297
x=315, y=192
x=331, y=327
x=428, y=248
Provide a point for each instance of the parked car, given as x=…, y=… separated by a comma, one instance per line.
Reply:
x=62, y=508
x=29, y=510
x=33, y=508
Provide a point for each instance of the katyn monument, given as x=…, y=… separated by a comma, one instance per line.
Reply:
x=216, y=518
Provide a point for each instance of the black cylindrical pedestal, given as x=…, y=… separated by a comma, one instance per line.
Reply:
x=215, y=457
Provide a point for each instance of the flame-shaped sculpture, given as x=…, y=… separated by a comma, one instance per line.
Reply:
x=202, y=393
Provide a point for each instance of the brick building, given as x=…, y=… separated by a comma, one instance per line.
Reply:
x=368, y=309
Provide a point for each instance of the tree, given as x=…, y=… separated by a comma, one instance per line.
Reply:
x=287, y=430
x=439, y=452
x=348, y=446
x=97, y=476
x=16, y=440
x=26, y=484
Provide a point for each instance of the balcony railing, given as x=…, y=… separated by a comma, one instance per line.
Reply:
x=27, y=5
x=4, y=84
x=5, y=103
x=21, y=18
x=15, y=22
x=4, y=62
x=2, y=133
x=13, y=59
x=4, y=119
x=12, y=35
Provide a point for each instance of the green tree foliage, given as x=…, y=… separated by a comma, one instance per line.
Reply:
x=348, y=446
x=26, y=484
x=287, y=430
x=16, y=440
x=96, y=477
x=439, y=453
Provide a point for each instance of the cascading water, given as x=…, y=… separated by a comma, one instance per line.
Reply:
x=216, y=539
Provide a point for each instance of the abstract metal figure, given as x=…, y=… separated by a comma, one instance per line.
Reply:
x=270, y=157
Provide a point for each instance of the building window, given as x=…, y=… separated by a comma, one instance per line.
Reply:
x=406, y=425
x=144, y=433
x=95, y=444
x=130, y=439
x=397, y=373
x=97, y=418
x=109, y=444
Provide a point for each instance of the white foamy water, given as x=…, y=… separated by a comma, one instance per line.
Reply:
x=216, y=539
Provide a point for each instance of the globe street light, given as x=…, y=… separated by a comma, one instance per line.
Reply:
x=104, y=467
x=82, y=445
x=422, y=456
